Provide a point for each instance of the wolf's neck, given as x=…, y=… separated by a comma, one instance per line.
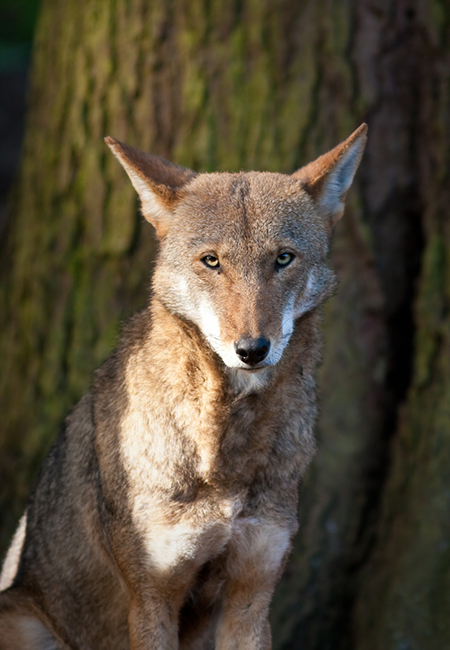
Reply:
x=177, y=386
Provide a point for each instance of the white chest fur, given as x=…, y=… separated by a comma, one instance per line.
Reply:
x=196, y=542
x=174, y=545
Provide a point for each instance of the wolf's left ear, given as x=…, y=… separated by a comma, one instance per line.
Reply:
x=328, y=179
x=158, y=182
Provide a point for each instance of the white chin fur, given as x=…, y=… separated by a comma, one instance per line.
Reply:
x=246, y=382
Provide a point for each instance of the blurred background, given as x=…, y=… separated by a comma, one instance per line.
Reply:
x=17, y=22
x=249, y=84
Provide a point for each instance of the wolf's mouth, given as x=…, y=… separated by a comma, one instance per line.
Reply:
x=253, y=370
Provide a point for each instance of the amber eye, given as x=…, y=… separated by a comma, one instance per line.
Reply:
x=284, y=259
x=211, y=261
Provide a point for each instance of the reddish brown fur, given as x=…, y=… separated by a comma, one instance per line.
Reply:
x=314, y=175
x=165, y=512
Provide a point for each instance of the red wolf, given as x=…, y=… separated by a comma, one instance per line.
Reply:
x=166, y=509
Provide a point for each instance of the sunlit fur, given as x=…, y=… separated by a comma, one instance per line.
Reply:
x=164, y=514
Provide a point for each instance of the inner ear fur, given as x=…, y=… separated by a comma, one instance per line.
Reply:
x=328, y=178
x=158, y=182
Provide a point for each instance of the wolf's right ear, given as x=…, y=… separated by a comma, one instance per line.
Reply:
x=157, y=181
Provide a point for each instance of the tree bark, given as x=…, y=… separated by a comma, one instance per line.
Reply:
x=265, y=84
x=404, y=591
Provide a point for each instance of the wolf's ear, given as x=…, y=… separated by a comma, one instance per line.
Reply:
x=157, y=181
x=328, y=179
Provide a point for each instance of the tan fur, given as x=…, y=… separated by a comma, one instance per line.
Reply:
x=166, y=509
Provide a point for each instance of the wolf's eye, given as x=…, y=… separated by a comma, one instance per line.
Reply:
x=211, y=261
x=284, y=259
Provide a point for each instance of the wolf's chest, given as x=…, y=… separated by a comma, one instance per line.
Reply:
x=201, y=533
x=191, y=543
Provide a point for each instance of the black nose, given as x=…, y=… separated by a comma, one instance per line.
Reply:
x=252, y=351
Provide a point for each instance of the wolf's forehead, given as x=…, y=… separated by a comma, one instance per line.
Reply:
x=253, y=204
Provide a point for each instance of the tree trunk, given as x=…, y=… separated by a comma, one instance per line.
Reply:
x=257, y=84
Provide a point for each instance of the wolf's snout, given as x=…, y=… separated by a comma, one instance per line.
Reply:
x=252, y=351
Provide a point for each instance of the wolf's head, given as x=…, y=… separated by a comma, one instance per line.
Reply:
x=244, y=255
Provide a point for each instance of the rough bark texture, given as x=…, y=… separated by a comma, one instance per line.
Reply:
x=264, y=84
x=404, y=593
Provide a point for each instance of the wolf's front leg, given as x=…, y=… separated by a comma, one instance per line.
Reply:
x=254, y=563
x=244, y=624
x=153, y=624
x=156, y=597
